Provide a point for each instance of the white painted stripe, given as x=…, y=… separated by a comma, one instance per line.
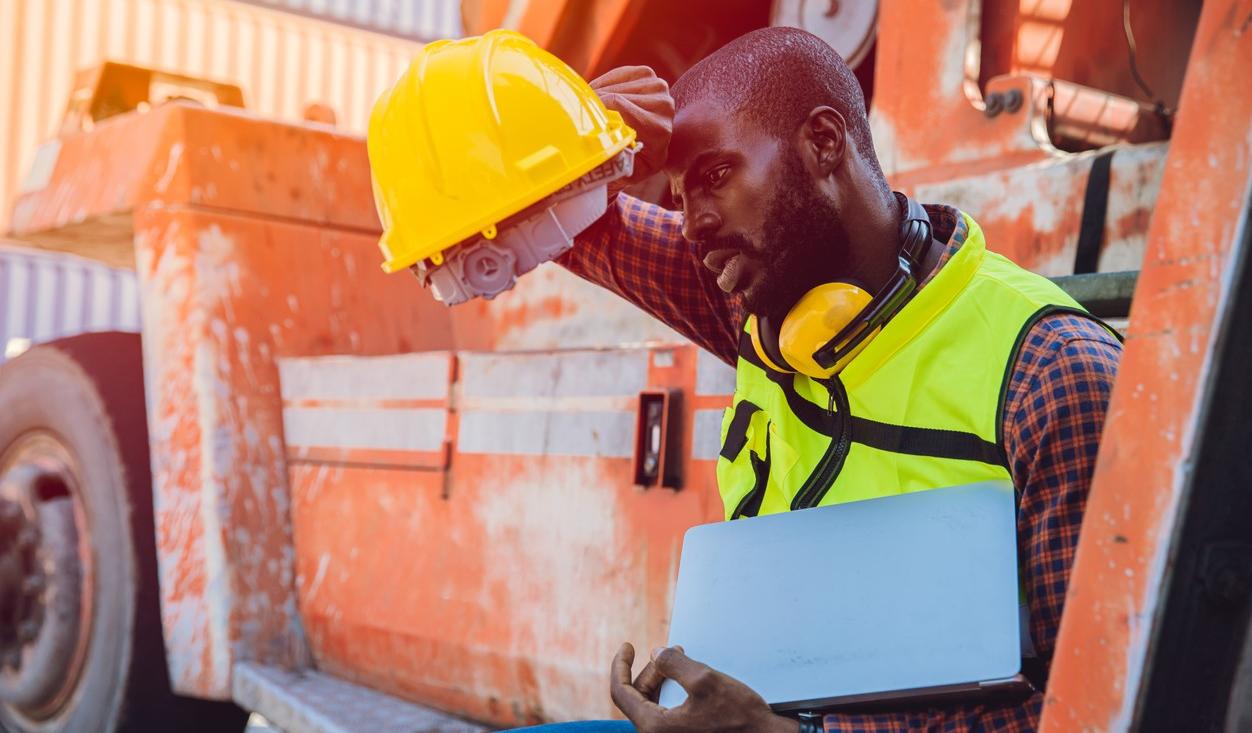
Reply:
x=559, y=374
x=398, y=377
x=623, y=403
x=403, y=429
x=592, y=434
x=706, y=435
x=713, y=376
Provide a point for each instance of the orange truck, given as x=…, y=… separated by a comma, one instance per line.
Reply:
x=308, y=490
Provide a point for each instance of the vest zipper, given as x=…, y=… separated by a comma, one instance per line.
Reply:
x=823, y=476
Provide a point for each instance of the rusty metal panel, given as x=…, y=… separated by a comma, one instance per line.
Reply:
x=1032, y=214
x=47, y=296
x=525, y=564
x=184, y=154
x=935, y=141
x=224, y=295
x=1142, y=473
x=281, y=60
x=221, y=303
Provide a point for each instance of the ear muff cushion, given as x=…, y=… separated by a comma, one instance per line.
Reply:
x=765, y=340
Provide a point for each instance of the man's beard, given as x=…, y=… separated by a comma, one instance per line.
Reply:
x=804, y=243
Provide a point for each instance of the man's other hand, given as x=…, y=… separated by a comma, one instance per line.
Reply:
x=642, y=98
x=715, y=702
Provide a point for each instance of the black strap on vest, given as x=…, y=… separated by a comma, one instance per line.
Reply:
x=737, y=433
x=924, y=441
x=905, y=439
x=813, y=416
x=1095, y=204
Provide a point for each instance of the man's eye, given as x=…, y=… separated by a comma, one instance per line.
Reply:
x=715, y=175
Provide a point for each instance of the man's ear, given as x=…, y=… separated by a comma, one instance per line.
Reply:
x=825, y=135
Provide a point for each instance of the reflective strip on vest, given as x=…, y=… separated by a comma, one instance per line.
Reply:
x=918, y=409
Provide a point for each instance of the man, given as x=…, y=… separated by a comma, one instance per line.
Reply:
x=987, y=370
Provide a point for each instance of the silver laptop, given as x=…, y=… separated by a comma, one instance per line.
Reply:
x=907, y=597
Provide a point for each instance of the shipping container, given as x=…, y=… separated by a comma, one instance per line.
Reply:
x=45, y=296
x=419, y=20
x=282, y=60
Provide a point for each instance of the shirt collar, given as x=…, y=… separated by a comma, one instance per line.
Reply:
x=948, y=227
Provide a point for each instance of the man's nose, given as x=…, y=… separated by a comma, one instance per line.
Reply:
x=700, y=224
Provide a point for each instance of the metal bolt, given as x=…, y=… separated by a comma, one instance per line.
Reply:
x=994, y=104
x=1013, y=100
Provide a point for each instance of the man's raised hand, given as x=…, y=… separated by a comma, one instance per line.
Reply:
x=642, y=98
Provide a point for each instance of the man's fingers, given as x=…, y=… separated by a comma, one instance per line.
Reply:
x=630, y=701
x=692, y=675
x=653, y=86
x=622, y=662
x=622, y=74
x=625, y=696
x=658, y=111
x=649, y=681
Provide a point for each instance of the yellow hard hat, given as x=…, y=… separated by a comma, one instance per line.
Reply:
x=474, y=132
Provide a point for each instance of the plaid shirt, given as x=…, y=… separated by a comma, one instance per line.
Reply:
x=1054, y=412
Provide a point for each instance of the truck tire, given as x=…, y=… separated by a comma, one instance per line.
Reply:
x=87, y=653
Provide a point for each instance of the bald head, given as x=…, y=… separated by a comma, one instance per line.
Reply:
x=774, y=77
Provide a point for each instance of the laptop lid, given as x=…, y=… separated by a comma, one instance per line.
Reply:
x=901, y=594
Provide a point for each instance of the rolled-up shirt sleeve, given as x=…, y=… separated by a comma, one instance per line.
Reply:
x=637, y=251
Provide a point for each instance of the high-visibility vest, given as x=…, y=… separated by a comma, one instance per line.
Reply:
x=919, y=408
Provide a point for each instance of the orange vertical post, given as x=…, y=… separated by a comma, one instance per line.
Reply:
x=1141, y=477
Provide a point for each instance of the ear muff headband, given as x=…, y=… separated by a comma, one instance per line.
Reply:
x=886, y=304
x=915, y=236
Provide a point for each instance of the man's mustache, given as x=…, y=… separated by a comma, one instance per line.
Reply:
x=737, y=242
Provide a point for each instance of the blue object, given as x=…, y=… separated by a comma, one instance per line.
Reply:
x=897, y=598
x=586, y=726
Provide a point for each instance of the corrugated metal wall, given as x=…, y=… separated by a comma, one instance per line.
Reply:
x=421, y=20
x=44, y=296
x=282, y=60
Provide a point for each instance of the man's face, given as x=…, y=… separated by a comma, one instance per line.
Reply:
x=753, y=209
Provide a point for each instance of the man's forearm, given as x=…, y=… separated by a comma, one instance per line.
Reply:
x=637, y=251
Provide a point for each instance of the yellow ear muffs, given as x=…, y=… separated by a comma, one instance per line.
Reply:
x=826, y=309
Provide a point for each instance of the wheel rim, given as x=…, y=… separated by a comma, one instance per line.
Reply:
x=39, y=475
